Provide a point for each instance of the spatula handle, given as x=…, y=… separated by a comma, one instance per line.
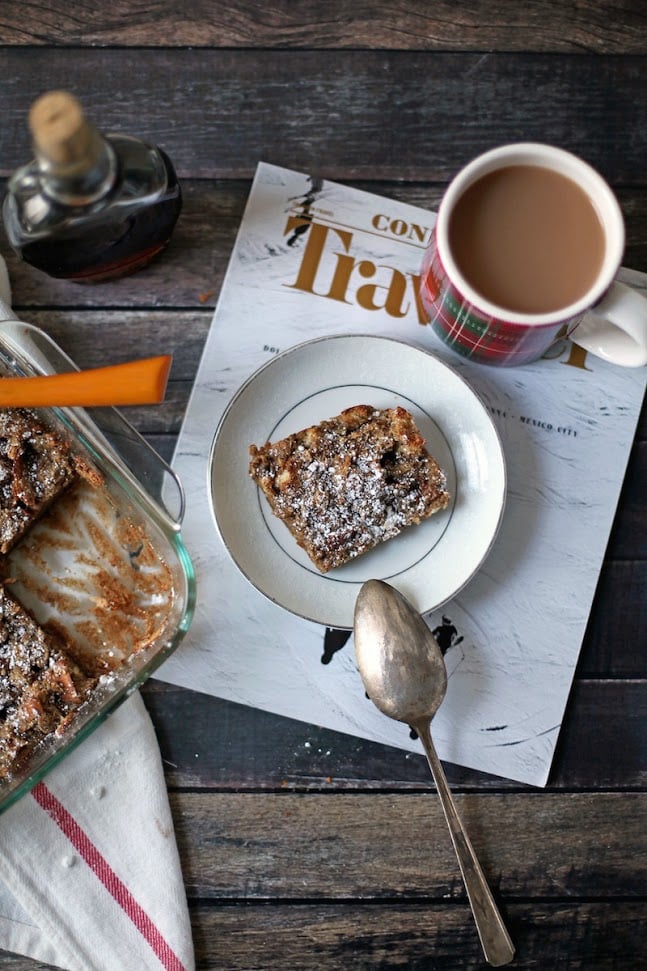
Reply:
x=133, y=383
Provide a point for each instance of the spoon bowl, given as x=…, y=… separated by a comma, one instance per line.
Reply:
x=404, y=675
x=397, y=655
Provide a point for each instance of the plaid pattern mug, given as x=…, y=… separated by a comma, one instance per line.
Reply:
x=609, y=319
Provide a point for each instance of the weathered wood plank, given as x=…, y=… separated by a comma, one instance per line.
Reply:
x=89, y=336
x=621, y=598
x=415, y=936
x=207, y=742
x=627, y=539
x=596, y=25
x=190, y=273
x=287, y=846
x=297, y=108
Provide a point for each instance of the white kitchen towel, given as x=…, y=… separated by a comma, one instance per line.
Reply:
x=90, y=875
x=90, y=871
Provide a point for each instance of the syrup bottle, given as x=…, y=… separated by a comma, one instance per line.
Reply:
x=89, y=207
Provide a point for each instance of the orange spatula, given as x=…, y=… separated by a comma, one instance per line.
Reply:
x=134, y=383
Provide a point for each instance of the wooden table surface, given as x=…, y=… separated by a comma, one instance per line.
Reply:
x=303, y=849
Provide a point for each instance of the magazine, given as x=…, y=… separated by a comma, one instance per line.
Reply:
x=315, y=258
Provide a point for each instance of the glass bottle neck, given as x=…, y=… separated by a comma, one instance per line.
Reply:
x=82, y=184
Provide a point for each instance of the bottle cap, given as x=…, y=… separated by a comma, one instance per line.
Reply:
x=62, y=135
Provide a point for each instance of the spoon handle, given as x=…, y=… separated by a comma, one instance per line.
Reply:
x=496, y=943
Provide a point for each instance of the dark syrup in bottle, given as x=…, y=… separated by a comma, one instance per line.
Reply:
x=89, y=207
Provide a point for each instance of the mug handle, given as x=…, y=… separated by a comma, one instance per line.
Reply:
x=616, y=328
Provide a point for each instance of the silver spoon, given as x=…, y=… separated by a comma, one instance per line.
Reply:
x=404, y=674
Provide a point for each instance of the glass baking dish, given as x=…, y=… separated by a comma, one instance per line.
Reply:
x=105, y=566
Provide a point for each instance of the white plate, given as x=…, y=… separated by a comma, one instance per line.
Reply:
x=428, y=563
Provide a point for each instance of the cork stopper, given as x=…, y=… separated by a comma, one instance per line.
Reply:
x=62, y=135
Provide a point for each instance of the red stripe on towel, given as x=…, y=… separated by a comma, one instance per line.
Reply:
x=98, y=863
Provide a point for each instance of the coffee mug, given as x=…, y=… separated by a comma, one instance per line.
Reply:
x=524, y=252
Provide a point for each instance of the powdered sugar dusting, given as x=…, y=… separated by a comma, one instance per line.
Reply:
x=35, y=466
x=351, y=482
